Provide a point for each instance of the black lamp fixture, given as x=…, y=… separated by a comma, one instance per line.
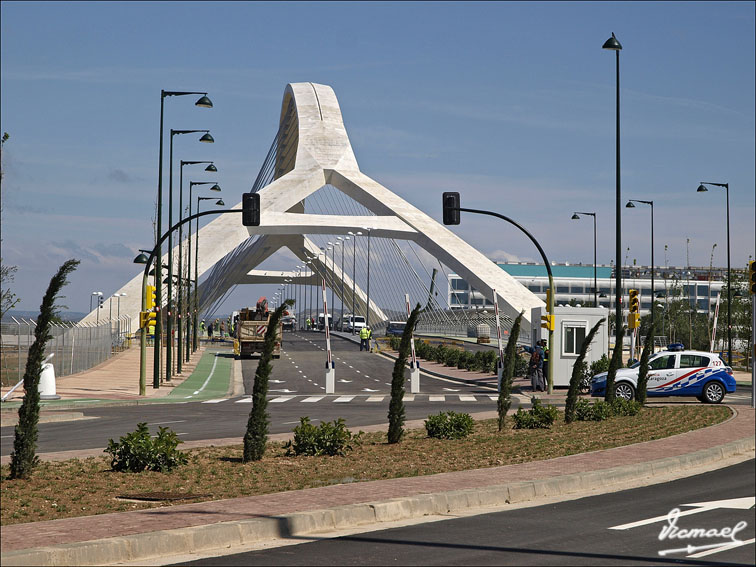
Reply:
x=220, y=203
x=141, y=259
x=204, y=102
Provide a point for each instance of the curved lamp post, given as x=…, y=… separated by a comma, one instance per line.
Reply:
x=202, y=102
x=218, y=203
x=613, y=45
x=354, y=236
x=653, y=267
x=575, y=216
x=702, y=189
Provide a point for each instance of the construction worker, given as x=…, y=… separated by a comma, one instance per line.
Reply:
x=202, y=327
x=365, y=335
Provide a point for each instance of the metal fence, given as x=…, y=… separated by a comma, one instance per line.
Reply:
x=76, y=347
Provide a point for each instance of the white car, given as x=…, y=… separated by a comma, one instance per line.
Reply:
x=674, y=372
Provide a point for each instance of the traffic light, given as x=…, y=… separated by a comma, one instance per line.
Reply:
x=548, y=299
x=251, y=209
x=150, y=293
x=633, y=321
x=146, y=319
x=100, y=301
x=547, y=322
x=451, y=207
x=634, y=301
x=752, y=276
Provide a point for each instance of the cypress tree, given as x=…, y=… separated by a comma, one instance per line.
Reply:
x=640, y=393
x=23, y=457
x=614, y=364
x=256, y=436
x=572, y=392
x=510, y=357
x=396, y=406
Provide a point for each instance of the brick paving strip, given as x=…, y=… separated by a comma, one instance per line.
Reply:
x=68, y=531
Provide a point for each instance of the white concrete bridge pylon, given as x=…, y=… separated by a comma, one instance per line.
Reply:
x=313, y=150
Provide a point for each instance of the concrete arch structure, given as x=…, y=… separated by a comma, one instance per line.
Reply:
x=313, y=150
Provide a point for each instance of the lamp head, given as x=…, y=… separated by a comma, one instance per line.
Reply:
x=211, y=167
x=575, y=216
x=612, y=44
x=220, y=203
x=215, y=187
x=702, y=188
x=204, y=102
x=629, y=205
x=207, y=139
x=141, y=259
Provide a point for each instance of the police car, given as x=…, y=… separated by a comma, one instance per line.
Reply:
x=674, y=372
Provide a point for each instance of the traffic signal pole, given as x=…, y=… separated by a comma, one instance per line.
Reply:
x=143, y=333
x=451, y=210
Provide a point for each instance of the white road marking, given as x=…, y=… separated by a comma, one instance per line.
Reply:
x=281, y=399
x=312, y=399
x=436, y=398
x=410, y=398
x=244, y=401
x=165, y=422
x=494, y=398
x=212, y=371
x=344, y=399
x=214, y=401
x=375, y=399
x=467, y=399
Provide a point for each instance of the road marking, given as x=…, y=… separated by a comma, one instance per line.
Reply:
x=344, y=399
x=467, y=399
x=244, y=401
x=436, y=398
x=165, y=422
x=212, y=371
x=312, y=399
x=723, y=547
x=410, y=398
x=281, y=399
x=375, y=399
x=733, y=503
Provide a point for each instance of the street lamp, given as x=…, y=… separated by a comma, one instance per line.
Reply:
x=354, y=273
x=202, y=102
x=206, y=138
x=367, y=305
x=613, y=45
x=195, y=306
x=702, y=189
x=218, y=203
x=343, y=242
x=182, y=309
x=576, y=216
x=653, y=268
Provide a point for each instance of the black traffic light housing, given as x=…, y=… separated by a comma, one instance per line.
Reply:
x=451, y=207
x=752, y=277
x=251, y=209
x=634, y=302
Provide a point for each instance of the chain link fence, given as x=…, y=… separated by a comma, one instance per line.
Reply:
x=76, y=347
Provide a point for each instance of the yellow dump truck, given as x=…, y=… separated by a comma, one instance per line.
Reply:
x=250, y=332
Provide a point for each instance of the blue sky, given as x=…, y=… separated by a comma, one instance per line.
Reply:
x=512, y=104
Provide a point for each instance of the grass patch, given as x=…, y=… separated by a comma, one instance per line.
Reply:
x=83, y=487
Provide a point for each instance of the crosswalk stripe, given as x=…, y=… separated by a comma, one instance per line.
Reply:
x=467, y=399
x=494, y=398
x=377, y=399
x=313, y=399
x=281, y=399
x=244, y=401
x=214, y=401
x=344, y=399
x=410, y=398
x=436, y=398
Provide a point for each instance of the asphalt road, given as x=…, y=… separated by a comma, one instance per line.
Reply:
x=576, y=532
x=296, y=389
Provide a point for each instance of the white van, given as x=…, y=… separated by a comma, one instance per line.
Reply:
x=354, y=323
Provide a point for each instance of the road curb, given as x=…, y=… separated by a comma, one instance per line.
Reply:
x=237, y=533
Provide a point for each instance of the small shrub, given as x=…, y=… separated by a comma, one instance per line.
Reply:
x=451, y=357
x=394, y=342
x=601, y=410
x=330, y=438
x=440, y=354
x=462, y=360
x=583, y=410
x=538, y=417
x=137, y=451
x=449, y=425
x=600, y=365
x=621, y=406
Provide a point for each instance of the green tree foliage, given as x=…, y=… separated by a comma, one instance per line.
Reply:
x=138, y=451
x=614, y=364
x=648, y=346
x=504, y=401
x=256, y=436
x=577, y=375
x=8, y=299
x=23, y=457
x=396, y=405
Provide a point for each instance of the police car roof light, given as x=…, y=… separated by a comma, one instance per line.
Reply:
x=675, y=347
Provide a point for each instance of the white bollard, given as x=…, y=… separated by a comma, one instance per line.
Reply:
x=330, y=379
x=47, y=381
x=415, y=378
